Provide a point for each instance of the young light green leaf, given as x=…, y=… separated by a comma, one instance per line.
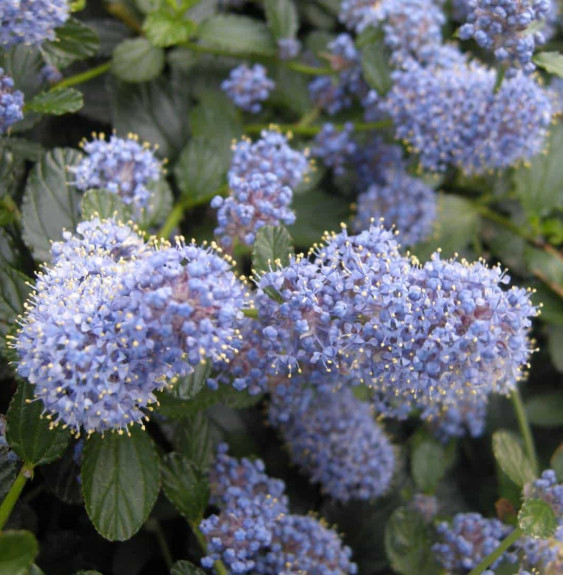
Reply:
x=104, y=204
x=137, y=60
x=545, y=410
x=120, y=482
x=428, y=465
x=537, y=519
x=18, y=549
x=57, y=102
x=511, y=457
x=28, y=433
x=74, y=41
x=164, y=29
x=185, y=568
x=551, y=62
x=282, y=18
x=272, y=247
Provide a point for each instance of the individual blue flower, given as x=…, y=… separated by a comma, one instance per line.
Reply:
x=248, y=87
x=548, y=489
x=334, y=147
x=404, y=202
x=122, y=166
x=334, y=438
x=31, y=21
x=11, y=103
x=288, y=48
x=502, y=26
x=305, y=545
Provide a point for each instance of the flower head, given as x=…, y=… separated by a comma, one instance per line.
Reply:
x=11, y=102
x=334, y=147
x=248, y=87
x=548, y=489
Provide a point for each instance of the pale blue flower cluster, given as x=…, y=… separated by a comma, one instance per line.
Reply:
x=373, y=161
x=334, y=147
x=502, y=26
x=248, y=87
x=122, y=166
x=288, y=48
x=31, y=21
x=549, y=490
x=11, y=103
x=466, y=417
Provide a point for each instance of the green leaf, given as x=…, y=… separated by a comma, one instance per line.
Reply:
x=272, y=248
x=104, y=204
x=57, y=102
x=199, y=171
x=511, y=457
x=555, y=345
x=375, y=62
x=13, y=293
x=537, y=519
x=546, y=410
x=18, y=549
x=164, y=29
x=552, y=62
x=237, y=35
x=63, y=478
x=120, y=481
x=159, y=204
x=28, y=433
x=539, y=182
x=428, y=465
x=547, y=266
x=556, y=462
x=195, y=440
x=552, y=310
x=185, y=568
x=137, y=60
x=282, y=18
x=8, y=472
x=50, y=201
x=74, y=41
x=24, y=149
x=408, y=544
x=185, y=486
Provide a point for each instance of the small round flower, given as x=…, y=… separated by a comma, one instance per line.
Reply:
x=404, y=202
x=11, y=102
x=248, y=87
x=502, y=27
x=31, y=21
x=122, y=166
x=305, y=545
x=288, y=48
x=548, y=489
x=334, y=147
x=257, y=201
x=334, y=438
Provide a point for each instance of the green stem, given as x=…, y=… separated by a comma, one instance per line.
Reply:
x=219, y=566
x=492, y=557
x=500, y=77
x=310, y=70
x=314, y=130
x=13, y=495
x=173, y=219
x=82, y=77
x=525, y=430
x=252, y=313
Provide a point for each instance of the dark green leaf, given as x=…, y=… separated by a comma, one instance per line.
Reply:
x=408, y=544
x=28, y=433
x=13, y=293
x=272, y=248
x=63, y=478
x=237, y=35
x=282, y=18
x=537, y=519
x=185, y=568
x=50, y=201
x=8, y=472
x=428, y=465
x=18, y=549
x=291, y=91
x=185, y=486
x=159, y=206
x=104, y=204
x=552, y=304
x=57, y=102
x=546, y=410
x=120, y=482
x=194, y=439
x=137, y=60
x=511, y=457
x=375, y=63
x=547, y=266
x=555, y=345
x=24, y=149
x=552, y=62
x=164, y=29
x=75, y=41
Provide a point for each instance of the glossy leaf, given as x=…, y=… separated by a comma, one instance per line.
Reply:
x=104, y=204
x=282, y=18
x=18, y=549
x=74, y=41
x=57, y=102
x=272, y=248
x=137, y=60
x=511, y=457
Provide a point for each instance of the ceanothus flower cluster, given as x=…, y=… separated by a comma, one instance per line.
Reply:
x=548, y=489
x=334, y=147
x=31, y=21
x=248, y=87
x=122, y=166
x=11, y=103
x=288, y=48
x=502, y=26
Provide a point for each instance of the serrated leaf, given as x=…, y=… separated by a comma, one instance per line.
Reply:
x=511, y=457
x=537, y=519
x=74, y=41
x=552, y=62
x=408, y=544
x=185, y=486
x=428, y=465
x=13, y=293
x=104, y=204
x=546, y=410
x=28, y=433
x=195, y=441
x=8, y=469
x=272, y=247
x=137, y=60
x=63, y=478
x=18, y=549
x=120, y=482
x=50, y=201
x=237, y=35
x=282, y=18
x=185, y=568
x=57, y=102
x=164, y=29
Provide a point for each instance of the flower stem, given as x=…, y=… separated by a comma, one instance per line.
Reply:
x=492, y=557
x=314, y=130
x=82, y=77
x=219, y=566
x=173, y=219
x=13, y=495
x=524, y=429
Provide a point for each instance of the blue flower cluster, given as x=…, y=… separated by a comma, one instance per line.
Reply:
x=502, y=26
x=122, y=166
x=31, y=21
x=451, y=115
x=11, y=103
x=288, y=48
x=542, y=555
x=248, y=87
x=334, y=437
x=112, y=320
x=335, y=147
x=466, y=417
x=426, y=505
x=549, y=490
x=254, y=531
x=372, y=162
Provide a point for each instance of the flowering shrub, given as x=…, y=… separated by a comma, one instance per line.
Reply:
x=281, y=287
